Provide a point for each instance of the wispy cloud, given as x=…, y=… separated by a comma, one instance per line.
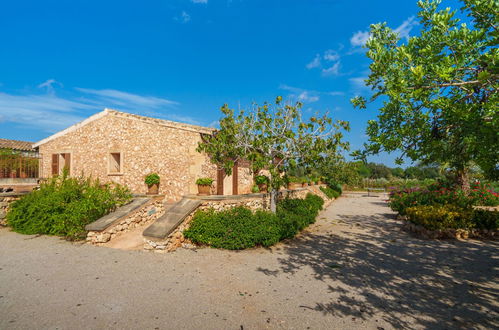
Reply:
x=406, y=27
x=360, y=38
x=315, y=63
x=183, y=18
x=112, y=96
x=358, y=84
x=199, y=1
x=326, y=68
x=333, y=70
x=50, y=112
x=306, y=95
x=48, y=85
x=331, y=55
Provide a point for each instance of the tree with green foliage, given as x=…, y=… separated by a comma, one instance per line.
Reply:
x=276, y=138
x=439, y=89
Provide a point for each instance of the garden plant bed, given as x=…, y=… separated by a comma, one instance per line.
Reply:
x=449, y=233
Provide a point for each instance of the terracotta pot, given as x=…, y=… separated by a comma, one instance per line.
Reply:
x=304, y=184
x=262, y=187
x=153, y=189
x=204, y=190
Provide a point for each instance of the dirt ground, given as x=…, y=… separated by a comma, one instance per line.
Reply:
x=353, y=269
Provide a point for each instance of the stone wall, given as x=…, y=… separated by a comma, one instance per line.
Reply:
x=449, y=233
x=253, y=202
x=146, y=145
x=148, y=213
x=5, y=201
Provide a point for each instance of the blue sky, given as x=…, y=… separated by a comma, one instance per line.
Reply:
x=62, y=61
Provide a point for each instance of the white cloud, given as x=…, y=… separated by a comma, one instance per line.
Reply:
x=333, y=70
x=358, y=84
x=306, y=97
x=331, y=55
x=184, y=17
x=200, y=1
x=316, y=62
x=359, y=38
x=112, y=96
x=406, y=27
x=51, y=113
x=49, y=85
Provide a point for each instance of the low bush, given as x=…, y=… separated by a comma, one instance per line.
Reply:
x=63, y=206
x=438, y=194
x=438, y=217
x=330, y=193
x=240, y=228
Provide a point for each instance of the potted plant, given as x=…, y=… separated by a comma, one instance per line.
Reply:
x=293, y=183
x=152, y=182
x=255, y=189
x=304, y=182
x=262, y=182
x=204, y=186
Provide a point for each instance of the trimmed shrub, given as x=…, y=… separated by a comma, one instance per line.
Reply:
x=63, y=206
x=240, y=228
x=438, y=217
x=330, y=193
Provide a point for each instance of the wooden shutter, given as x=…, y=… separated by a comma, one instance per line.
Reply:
x=67, y=162
x=220, y=181
x=55, y=164
x=235, y=179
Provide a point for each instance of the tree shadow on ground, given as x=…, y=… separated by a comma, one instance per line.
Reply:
x=383, y=271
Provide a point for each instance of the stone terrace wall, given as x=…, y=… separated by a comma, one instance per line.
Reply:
x=5, y=201
x=253, y=202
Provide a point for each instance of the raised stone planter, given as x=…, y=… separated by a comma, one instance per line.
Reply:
x=448, y=233
x=254, y=202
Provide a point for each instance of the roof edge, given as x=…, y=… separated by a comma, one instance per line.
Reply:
x=150, y=120
x=71, y=128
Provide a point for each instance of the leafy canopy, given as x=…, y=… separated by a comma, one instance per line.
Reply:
x=439, y=90
x=274, y=137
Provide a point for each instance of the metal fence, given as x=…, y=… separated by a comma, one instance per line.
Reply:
x=19, y=166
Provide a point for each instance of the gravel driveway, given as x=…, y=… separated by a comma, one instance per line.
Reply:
x=353, y=269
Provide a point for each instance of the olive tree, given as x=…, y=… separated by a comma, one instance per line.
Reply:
x=439, y=89
x=273, y=137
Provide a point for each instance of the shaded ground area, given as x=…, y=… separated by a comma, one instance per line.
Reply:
x=353, y=269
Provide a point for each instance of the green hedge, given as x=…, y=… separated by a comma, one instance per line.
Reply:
x=329, y=192
x=240, y=228
x=436, y=217
x=63, y=206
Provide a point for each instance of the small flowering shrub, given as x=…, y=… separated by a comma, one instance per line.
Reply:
x=439, y=217
x=436, y=194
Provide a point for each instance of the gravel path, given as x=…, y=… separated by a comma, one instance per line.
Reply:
x=353, y=269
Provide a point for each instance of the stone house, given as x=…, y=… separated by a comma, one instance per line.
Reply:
x=123, y=148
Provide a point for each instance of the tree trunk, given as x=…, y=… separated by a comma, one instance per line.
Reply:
x=273, y=200
x=463, y=179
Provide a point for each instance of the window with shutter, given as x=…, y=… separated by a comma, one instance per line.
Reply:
x=55, y=164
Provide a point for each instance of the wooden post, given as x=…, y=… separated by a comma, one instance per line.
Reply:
x=235, y=179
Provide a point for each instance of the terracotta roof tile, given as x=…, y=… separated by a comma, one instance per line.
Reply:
x=16, y=145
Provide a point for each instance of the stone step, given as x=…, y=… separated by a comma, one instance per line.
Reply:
x=111, y=218
x=172, y=218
